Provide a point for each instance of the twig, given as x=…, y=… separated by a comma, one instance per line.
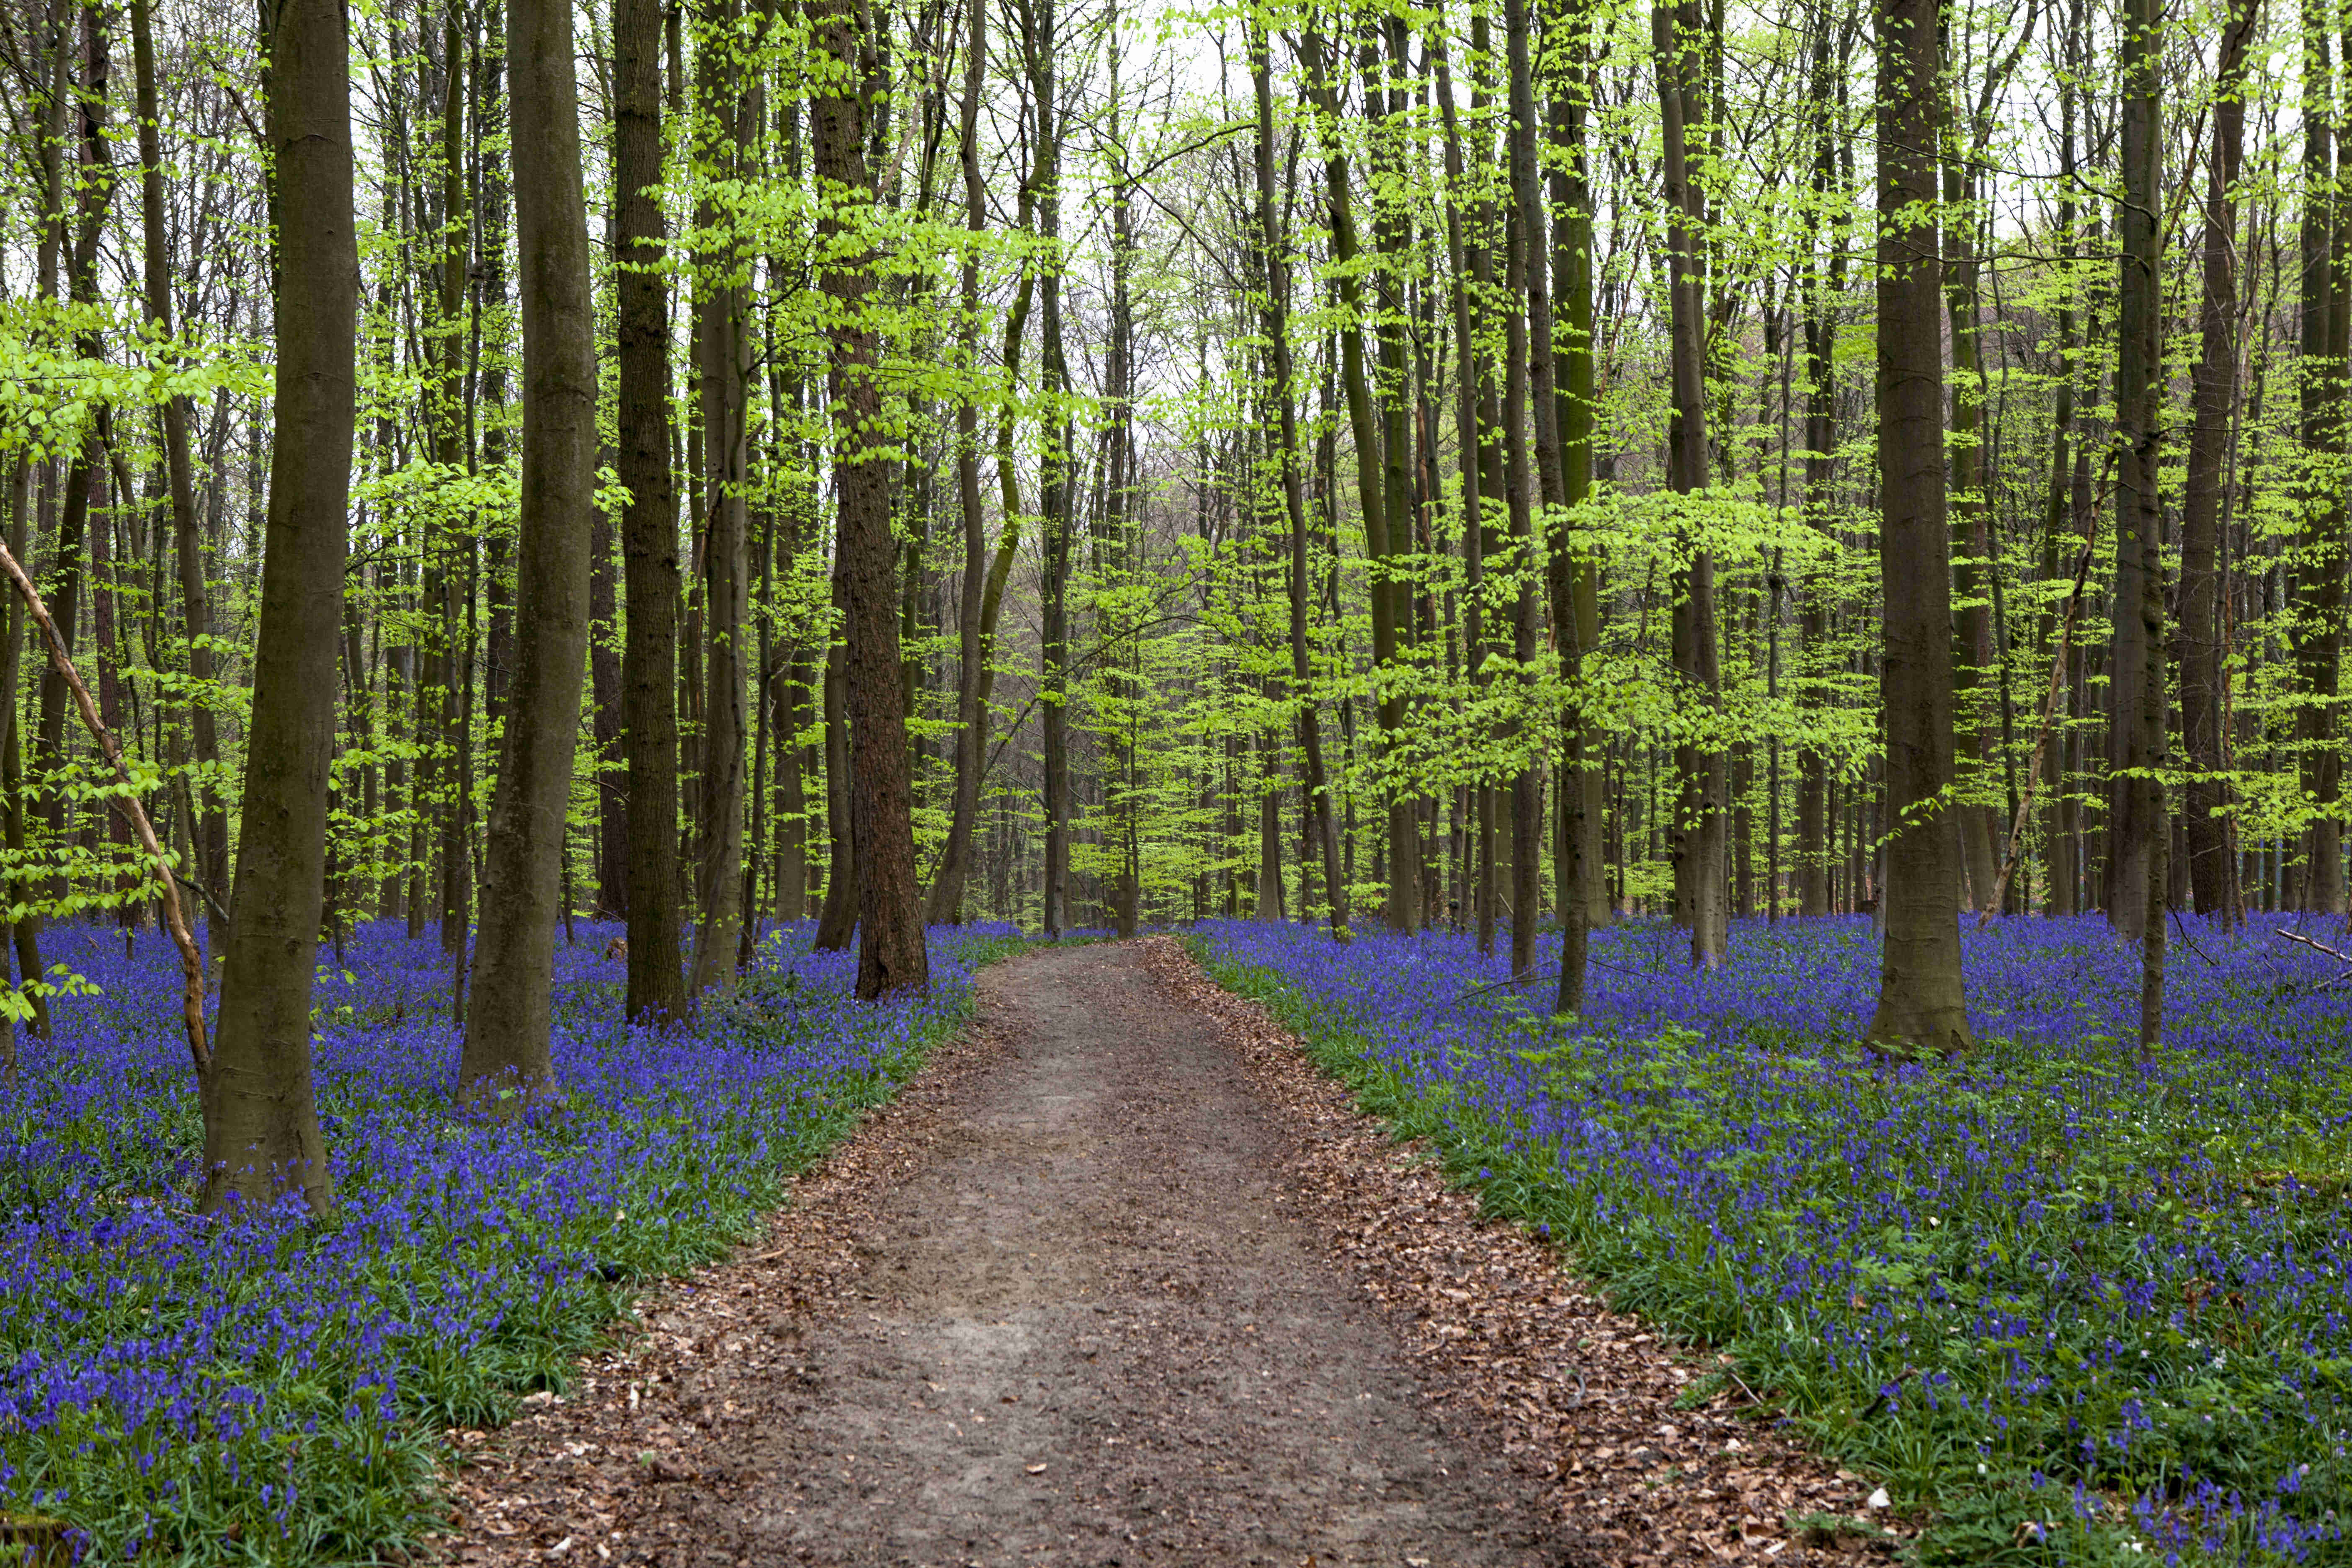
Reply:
x=192, y=963
x=2285, y=935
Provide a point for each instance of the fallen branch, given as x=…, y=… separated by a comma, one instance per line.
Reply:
x=192, y=962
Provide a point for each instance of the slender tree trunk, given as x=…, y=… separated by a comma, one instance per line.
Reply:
x=2318, y=630
x=946, y=906
x=1316, y=803
x=838, y=917
x=725, y=521
x=1702, y=897
x=261, y=1120
x=1920, y=1004
x=211, y=827
x=1371, y=468
x=648, y=525
x=1527, y=338
x=2136, y=675
x=2214, y=396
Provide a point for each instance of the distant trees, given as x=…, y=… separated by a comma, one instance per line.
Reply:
x=1502, y=469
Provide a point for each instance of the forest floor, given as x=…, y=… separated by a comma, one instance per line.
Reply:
x=1120, y=1279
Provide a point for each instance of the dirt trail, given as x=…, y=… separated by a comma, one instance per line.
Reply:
x=1118, y=1279
x=1097, y=1338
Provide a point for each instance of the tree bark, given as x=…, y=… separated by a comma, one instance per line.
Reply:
x=890, y=953
x=649, y=524
x=507, y=1027
x=1528, y=336
x=972, y=643
x=261, y=1120
x=1920, y=1002
x=1702, y=897
x=718, y=894
x=1317, y=801
x=2318, y=629
x=2136, y=817
x=2213, y=395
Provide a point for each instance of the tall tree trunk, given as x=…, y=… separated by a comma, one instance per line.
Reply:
x=1582, y=862
x=514, y=953
x=1702, y=897
x=211, y=827
x=1316, y=802
x=946, y=906
x=891, y=951
x=1055, y=487
x=1371, y=468
x=1526, y=336
x=261, y=1120
x=649, y=524
x=2318, y=630
x=1465, y=264
x=2135, y=674
x=1920, y=1004
x=2214, y=396
x=724, y=519
x=95, y=187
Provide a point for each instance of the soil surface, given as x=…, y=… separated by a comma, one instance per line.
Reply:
x=1118, y=1279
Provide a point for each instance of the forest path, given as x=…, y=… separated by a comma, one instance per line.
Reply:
x=1097, y=1337
x=1064, y=1317
x=1120, y=1278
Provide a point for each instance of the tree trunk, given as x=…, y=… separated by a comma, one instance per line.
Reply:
x=2214, y=396
x=719, y=888
x=946, y=906
x=649, y=526
x=1371, y=469
x=2136, y=675
x=1527, y=337
x=1316, y=803
x=514, y=953
x=1920, y=1004
x=2317, y=631
x=261, y=1120
x=891, y=951
x=1702, y=897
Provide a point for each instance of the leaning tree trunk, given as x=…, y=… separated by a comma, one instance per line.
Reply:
x=890, y=953
x=261, y=1120
x=1920, y=1006
x=507, y=1027
x=649, y=524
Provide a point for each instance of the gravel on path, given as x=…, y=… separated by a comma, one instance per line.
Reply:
x=1119, y=1279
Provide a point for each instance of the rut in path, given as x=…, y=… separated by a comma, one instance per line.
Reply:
x=1097, y=1337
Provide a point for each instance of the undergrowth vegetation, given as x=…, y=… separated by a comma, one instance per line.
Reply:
x=265, y=1388
x=2068, y=1304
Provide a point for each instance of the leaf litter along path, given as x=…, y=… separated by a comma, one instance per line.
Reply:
x=1118, y=1278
